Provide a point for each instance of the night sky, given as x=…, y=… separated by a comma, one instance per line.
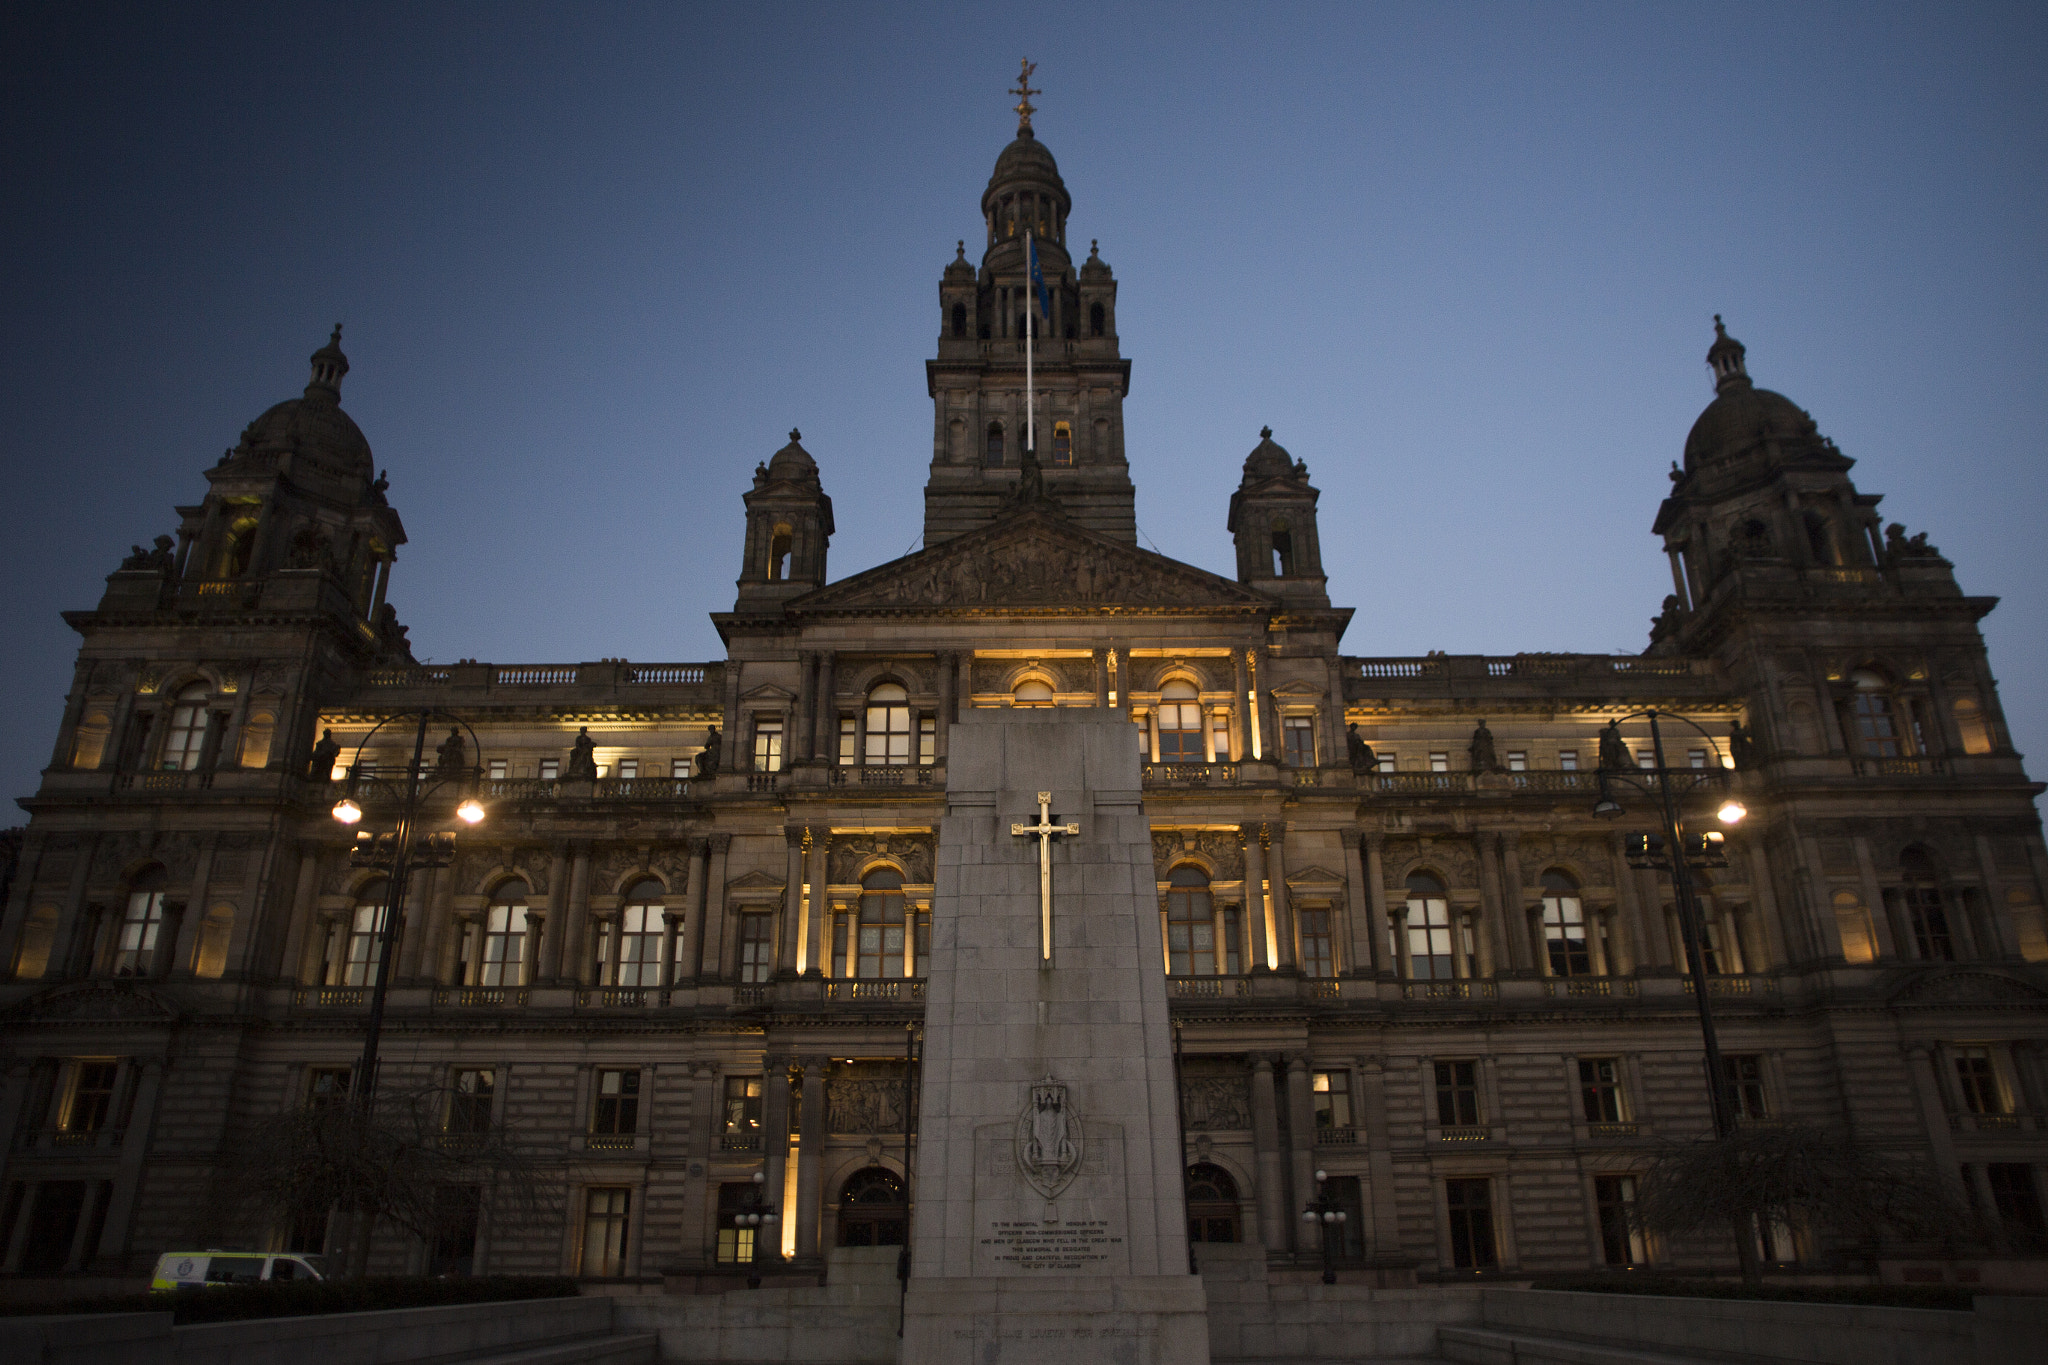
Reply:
x=595, y=261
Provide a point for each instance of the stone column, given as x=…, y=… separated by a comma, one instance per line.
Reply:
x=301, y=926
x=1283, y=909
x=690, y=955
x=1379, y=1155
x=774, y=1146
x=549, y=967
x=1515, y=899
x=721, y=945
x=1891, y=938
x=1995, y=935
x=1101, y=668
x=804, y=709
x=1360, y=953
x=18, y=908
x=134, y=1147
x=1770, y=916
x=1240, y=721
x=1301, y=1133
x=1493, y=903
x=792, y=901
x=424, y=893
x=949, y=701
x=74, y=930
x=1404, y=951
x=1254, y=896
x=699, y=1204
x=1934, y=1115
x=14, y=1084
x=184, y=947
x=828, y=708
x=17, y=1241
x=820, y=912
x=810, y=1155
x=1376, y=898
x=578, y=965
x=1266, y=1147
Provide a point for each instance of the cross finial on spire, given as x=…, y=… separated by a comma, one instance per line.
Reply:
x=795, y=435
x=1023, y=90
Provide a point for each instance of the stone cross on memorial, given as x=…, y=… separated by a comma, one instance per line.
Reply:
x=1044, y=830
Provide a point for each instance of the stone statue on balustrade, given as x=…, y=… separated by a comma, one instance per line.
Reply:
x=1614, y=754
x=1363, y=760
x=1484, y=759
x=707, y=759
x=320, y=765
x=452, y=754
x=582, y=758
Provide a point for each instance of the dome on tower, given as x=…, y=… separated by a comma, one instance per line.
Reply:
x=792, y=461
x=313, y=425
x=1742, y=415
x=1268, y=460
x=1026, y=159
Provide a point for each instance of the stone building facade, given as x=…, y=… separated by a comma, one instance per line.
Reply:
x=684, y=947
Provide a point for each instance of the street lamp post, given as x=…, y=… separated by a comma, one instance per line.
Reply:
x=400, y=851
x=762, y=1219
x=1676, y=857
x=1324, y=1211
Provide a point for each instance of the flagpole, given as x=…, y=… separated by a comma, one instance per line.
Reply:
x=1030, y=403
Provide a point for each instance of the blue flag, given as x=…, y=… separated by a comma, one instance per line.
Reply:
x=1037, y=276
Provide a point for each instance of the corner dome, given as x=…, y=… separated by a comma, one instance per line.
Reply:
x=792, y=461
x=1268, y=460
x=1741, y=417
x=313, y=425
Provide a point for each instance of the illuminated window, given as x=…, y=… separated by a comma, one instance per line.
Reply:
x=848, y=735
x=639, y=936
x=736, y=1199
x=1567, y=760
x=1180, y=724
x=629, y=767
x=1877, y=731
x=141, y=923
x=742, y=1131
x=1389, y=761
x=1331, y=1092
x=768, y=744
x=1926, y=910
x=879, y=946
x=1696, y=758
x=1429, y=929
x=1190, y=924
x=888, y=726
x=1316, y=958
x=504, y=957
x=1518, y=760
x=365, y=935
x=1032, y=692
x=1621, y=1240
x=185, y=739
x=1439, y=762
x=757, y=948
x=927, y=740
x=1299, y=733
x=500, y=769
x=1600, y=1097
x=1062, y=443
x=605, y=1224
x=1219, y=735
x=1564, y=926
x=550, y=769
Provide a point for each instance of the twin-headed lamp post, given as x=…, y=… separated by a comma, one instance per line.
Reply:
x=401, y=850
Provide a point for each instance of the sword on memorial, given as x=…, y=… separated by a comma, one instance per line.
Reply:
x=1044, y=831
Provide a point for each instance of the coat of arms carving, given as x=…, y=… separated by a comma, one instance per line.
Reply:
x=1048, y=1139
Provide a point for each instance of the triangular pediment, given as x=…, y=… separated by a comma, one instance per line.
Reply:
x=1297, y=688
x=1032, y=558
x=756, y=880
x=98, y=1002
x=1314, y=875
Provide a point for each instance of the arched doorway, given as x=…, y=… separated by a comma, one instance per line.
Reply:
x=1212, y=1204
x=872, y=1211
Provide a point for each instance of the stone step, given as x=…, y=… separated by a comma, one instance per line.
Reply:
x=1488, y=1346
x=619, y=1348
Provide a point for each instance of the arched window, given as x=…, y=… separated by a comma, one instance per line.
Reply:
x=994, y=457
x=1926, y=912
x=1969, y=723
x=778, y=552
x=1870, y=706
x=872, y=1210
x=1190, y=923
x=142, y=921
x=959, y=319
x=185, y=737
x=1564, y=926
x=503, y=961
x=1095, y=320
x=1852, y=923
x=1212, y=1204
x=366, y=928
x=879, y=946
x=1062, y=443
x=1429, y=930
x=639, y=938
x=888, y=726
x=236, y=550
x=1032, y=692
x=1820, y=539
x=1180, y=723
x=1283, y=550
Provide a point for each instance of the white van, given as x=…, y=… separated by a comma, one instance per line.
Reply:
x=198, y=1269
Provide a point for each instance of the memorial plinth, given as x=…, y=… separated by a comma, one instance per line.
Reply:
x=1050, y=1219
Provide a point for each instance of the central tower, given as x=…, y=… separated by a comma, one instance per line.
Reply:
x=977, y=381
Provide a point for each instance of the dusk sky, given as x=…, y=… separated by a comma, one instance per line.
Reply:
x=594, y=261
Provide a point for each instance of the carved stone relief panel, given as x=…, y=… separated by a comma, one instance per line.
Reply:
x=1215, y=1094
x=851, y=851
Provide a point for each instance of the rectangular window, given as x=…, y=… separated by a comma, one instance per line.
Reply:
x=1429, y=939
x=1929, y=918
x=1745, y=1081
x=1518, y=760
x=629, y=767
x=1316, y=959
x=1567, y=760
x=92, y=1095
x=504, y=961
x=469, y=1101
x=550, y=769
x=1614, y=1200
x=1469, y=1203
x=742, y=1114
x=135, y=949
x=847, y=736
x=1978, y=1079
x=1390, y=762
x=365, y=944
x=639, y=946
x=679, y=767
x=1300, y=734
x=500, y=769
x=768, y=744
x=927, y=740
x=1457, y=1094
x=1233, y=941
x=736, y=1243
x=1332, y=1094
x=1646, y=758
x=604, y=1231
x=1600, y=1090
x=1219, y=735
x=1440, y=762
x=1144, y=729
x=757, y=948
x=1564, y=934
x=327, y=1086
x=1696, y=758
x=617, y=1110
x=2018, y=1203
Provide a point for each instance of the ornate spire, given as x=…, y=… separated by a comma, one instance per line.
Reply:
x=1023, y=91
x=329, y=365
x=1725, y=355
